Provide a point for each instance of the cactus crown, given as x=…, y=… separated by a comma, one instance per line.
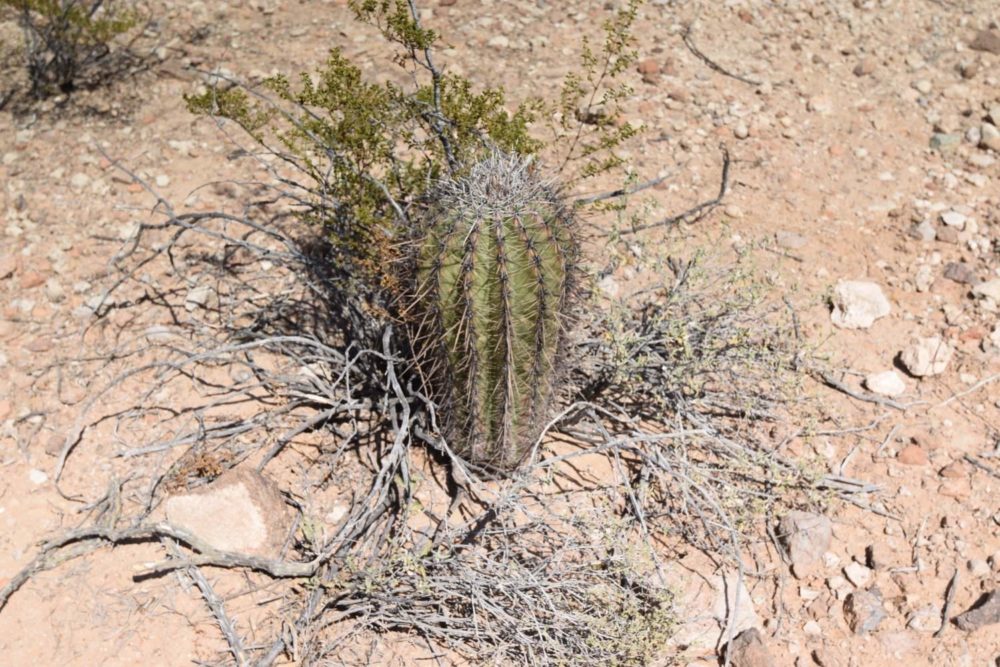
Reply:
x=494, y=267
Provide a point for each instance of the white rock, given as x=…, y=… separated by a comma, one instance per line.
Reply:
x=857, y=304
x=989, y=289
x=926, y=356
x=858, y=574
x=79, y=181
x=953, y=219
x=198, y=297
x=887, y=383
x=54, y=290
x=37, y=477
x=924, y=278
x=162, y=181
x=241, y=511
x=499, y=42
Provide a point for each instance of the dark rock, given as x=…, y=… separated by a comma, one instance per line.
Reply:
x=986, y=40
x=960, y=272
x=749, y=650
x=806, y=537
x=985, y=612
x=863, y=611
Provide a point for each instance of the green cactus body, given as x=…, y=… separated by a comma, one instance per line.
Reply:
x=493, y=273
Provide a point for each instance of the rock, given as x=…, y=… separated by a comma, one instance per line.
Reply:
x=813, y=629
x=978, y=568
x=922, y=86
x=806, y=537
x=8, y=266
x=857, y=304
x=955, y=470
x=162, y=180
x=887, y=383
x=924, y=278
x=953, y=219
x=820, y=104
x=913, y=455
x=734, y=606
x=948, y=235
x=648, y=66
x=989, y=289
x=926, y=619
x=825, y=657
x=865, y=67
x=37, y=477
x=944, y=142
x=926, y=356
x=961, y=273
x=749, y=650
x=498, y=42
x=970, y=69
x=986, y=40
x=989, y=137
x=863, y=611
x=994, y=115
x=924, y=231
x=986, y=611
x=200, y=297
x=241, y=511
x=54, y=290
x=79, y=181
x=857, y=574
x=741, y=131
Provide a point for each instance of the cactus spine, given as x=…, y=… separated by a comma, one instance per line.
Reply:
x=493, y=273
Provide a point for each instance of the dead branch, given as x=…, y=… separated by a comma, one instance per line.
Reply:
x=689, y=42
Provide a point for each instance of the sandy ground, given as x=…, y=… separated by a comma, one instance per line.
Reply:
x=833, y=168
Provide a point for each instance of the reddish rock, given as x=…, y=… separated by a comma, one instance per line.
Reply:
x=749, y=650
x=648, y=66
x=986, y=40
x=955, y=470
x=32, y=279
x=913, y=455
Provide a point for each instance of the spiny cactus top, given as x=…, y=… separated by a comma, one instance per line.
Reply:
x=494, y=267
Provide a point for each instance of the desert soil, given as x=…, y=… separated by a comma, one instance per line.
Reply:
x=864, y=146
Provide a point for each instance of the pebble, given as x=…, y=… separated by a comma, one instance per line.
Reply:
x=648, y=66
x=954, y=219
x=857, y=304
x=886, y=383
x=944, y=142
x=820, y=104
x=741, y=131
x=54, y=290
x=926, y=619
x=989, y=290
x=812, y=628
x=924, y=278
x=198, y=297
x=978, y=568
x=986, y=611
x=806, y=537
x=912, y=455
x=923, y=231
x=986, y=40
x=748, y=649
x=857, y=574
x=162, y=181
x=926, y=356
x=498, y=42
x=922, y=86
x=79, y=181
x=947, y=235
x=990, y=137
x=790, y=240
x=863, y=611
x=865, y=67
x=37, y=477
x=9, y=158
x=961, y=273
x=733, y=211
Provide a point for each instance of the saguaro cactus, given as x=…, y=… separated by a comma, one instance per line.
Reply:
x=493, y=273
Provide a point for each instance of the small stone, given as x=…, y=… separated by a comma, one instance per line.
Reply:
x=749, y=650
x=741, y=131
x=162, y=181
x=961, y=273
x=865, y=67
x=820, y=104
x=953, y=219
x=913, y=455
x=955, y=470
x=806, y=537
x=887, y=383
x=733, y=211
x=986, y=611
x=947, y=235
x=994, y=115
x=945, y=142
x=970, y=70
x=863, y=611
x=990, y=137
x=924, y=231
x=922, y=86
x=926, y=356
x=988, y=290
x=812, y=628
x=986, y=40
x=926, y=619
x=857, y=304
x=924, y=278
x=79, y=181
x=857, y=574
x=978, y=568
x=648, y=66
x=198, y=297
x=10, y=158
x=498, y=42
x=241, y=511
x=54, y=290
x=37, y=477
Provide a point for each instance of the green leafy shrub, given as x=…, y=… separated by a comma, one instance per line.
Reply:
x=64, y=39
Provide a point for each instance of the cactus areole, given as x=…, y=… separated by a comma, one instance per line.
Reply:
x=493, y=271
